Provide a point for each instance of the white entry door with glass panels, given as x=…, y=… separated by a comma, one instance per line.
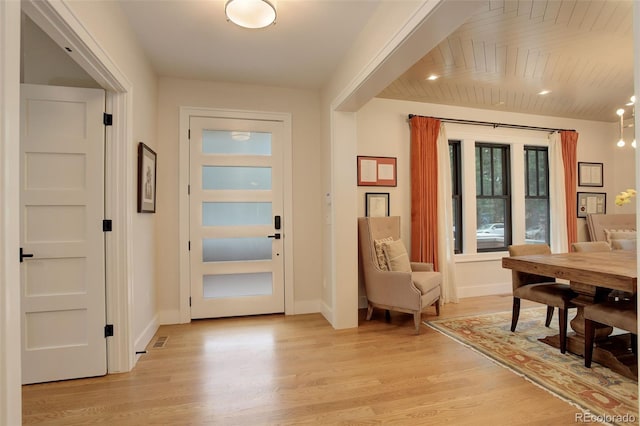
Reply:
x=236, y=222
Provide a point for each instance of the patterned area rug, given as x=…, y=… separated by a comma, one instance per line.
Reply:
x=598, y=391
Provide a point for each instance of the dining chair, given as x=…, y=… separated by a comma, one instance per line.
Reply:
x=540, y=289
x=622, y=315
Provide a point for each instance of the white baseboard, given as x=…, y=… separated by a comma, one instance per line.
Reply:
x=485, y=290
x=145, y=337
x=327, y=312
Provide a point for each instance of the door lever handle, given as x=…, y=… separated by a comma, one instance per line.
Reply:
x=276, y=236
x=23, y=254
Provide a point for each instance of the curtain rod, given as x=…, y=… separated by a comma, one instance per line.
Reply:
x=494, y=125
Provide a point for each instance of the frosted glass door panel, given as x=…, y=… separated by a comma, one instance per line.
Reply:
x=237, y=285
x=226, y=177
x=236, y=214
x=236, y=249
x=226, y=142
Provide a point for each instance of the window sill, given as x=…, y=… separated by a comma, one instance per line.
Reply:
x=480, y=257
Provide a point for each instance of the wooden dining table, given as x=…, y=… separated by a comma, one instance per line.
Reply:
x=593, y=276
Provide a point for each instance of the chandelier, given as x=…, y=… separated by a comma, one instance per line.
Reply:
x=620, y=112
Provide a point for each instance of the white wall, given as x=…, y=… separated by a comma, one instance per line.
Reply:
x=305, y=112
x=340, y=267
x=110, y=28
x=383, y=130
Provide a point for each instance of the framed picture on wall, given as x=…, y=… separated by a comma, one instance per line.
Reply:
x=591, y=202
x=377, y=171
x=590, y=174
x=376, y=204
x=146, y=179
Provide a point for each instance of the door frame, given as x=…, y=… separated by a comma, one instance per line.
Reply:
x=183, y=212
x=57, y=20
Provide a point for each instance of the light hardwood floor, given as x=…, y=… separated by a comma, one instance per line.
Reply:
x=274, y=369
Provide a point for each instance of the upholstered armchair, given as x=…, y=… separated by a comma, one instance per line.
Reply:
x=391, y=281
x=540, y=289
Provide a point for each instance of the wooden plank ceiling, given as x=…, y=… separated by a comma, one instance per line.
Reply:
x=582, y=51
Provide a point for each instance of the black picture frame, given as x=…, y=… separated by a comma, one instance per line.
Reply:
x=376, y=204
x=591, y=202
x=147, y=167
x=590, y=174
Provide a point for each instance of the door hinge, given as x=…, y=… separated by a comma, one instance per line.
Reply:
x=107, y=119
x=108, y=330
x=189, y=134
x=189, y=245
x=189, y=300
x=188, y=189
x=107, y=225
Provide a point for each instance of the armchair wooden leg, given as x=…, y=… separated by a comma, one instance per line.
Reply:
x=547, y=322
x=589, y=334
x=562, y=323
x=515, y=313
x=369, y=311
x=387, y=315
x=634, y=344
x=437, y=307
x=417, y=319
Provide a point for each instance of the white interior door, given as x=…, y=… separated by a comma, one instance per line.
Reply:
x=236, y=222
x=62, y=208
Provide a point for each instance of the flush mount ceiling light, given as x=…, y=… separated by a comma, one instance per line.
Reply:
x=250, y=13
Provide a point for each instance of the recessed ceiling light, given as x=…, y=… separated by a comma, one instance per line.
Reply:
x=433, y=77
x=544, y=92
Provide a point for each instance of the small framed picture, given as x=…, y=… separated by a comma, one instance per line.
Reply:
x=376, y=204
x=377, y=171
x=591, y=202
x=146, y=179
x=590, y=174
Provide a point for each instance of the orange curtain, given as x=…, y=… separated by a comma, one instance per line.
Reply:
x=569, y=141
x=424, y=190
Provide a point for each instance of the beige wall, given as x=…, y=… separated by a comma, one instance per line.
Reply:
x=383, y=130
x=304, y=107
x=44, y=62
x=110, y=28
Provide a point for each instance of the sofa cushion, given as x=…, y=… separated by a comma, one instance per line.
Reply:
x=396, y=255
x=382, y=261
